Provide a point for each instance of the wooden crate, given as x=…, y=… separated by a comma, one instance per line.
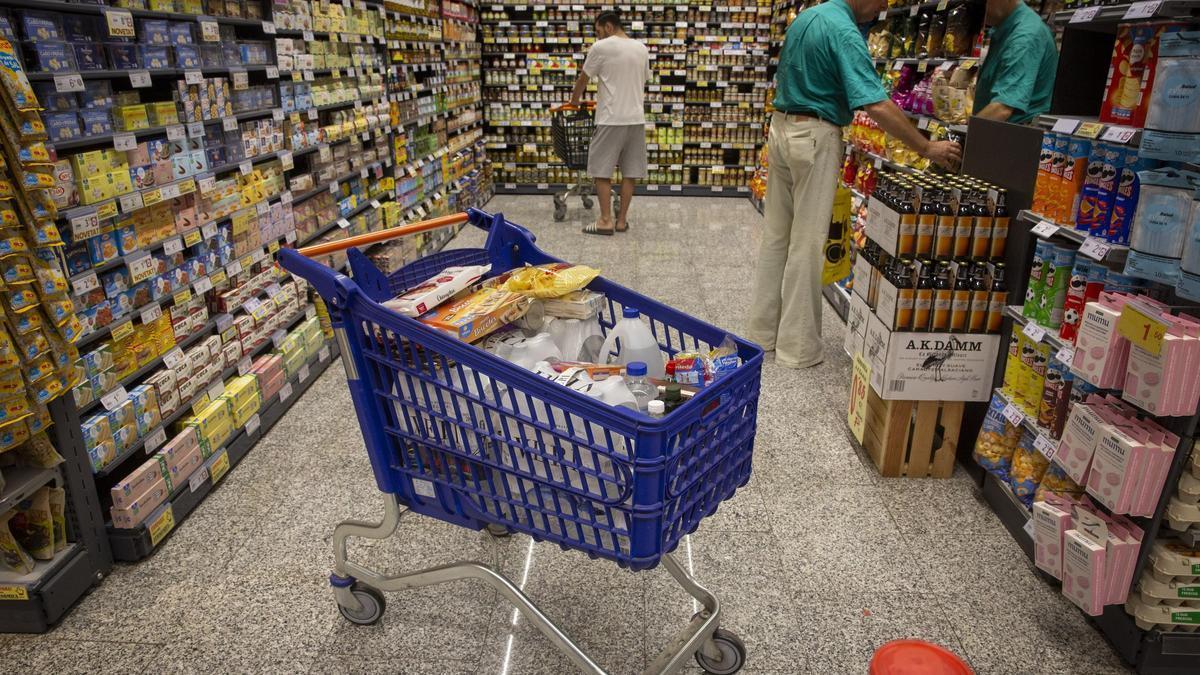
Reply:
x=912, y=438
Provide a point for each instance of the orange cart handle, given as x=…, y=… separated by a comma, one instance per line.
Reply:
x=384, y=235
x=586, y=105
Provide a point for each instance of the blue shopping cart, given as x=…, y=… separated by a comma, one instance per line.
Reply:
x=456, y=433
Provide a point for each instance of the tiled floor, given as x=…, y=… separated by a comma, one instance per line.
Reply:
x=817, y=561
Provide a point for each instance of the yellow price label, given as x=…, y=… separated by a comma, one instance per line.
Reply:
x=219, y=467
x=186, y=187
x=217, y=278
x=162, y=525
x=14, y=593
x=107, y=210
x=273, y=247
x=122, y=331
x=151, y=197
x=229, y=335
x=192, y=238
x=1089, y=129
x=1141, y=329
x=182, y=297
x=856, y=412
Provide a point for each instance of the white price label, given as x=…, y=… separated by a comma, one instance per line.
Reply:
x=912, y=11
x=85, y=226
x=272, y=72
x=308, y=36
x=1119, y=134
x=923, y=123
x=1095, y=248
x=130, y=202
x=169, y=191
x=1045, y=229
x=1034, y=332
x=268, y=27
x=1028, y=528
x=234, y=268
x=312, y=113
x=216, y=390
x=113, y=399
x=246, y=167
x=229, y=124
x=155, y=439
x=278, y=337
x=261, y=208
x=286, y=197
x=277, y=114
x=310, y=312
x=193, y=77
x=139, y=79
x=202, y=286
x=209, y=230
x=343, y=223
x=1046, y=446
x=1084, y=14
x=285, y=392
x=198, y=478
x=70, y=82
x=286, y=161
x=244, y=366
x=151, y=314
x=176, y=132
x=375, y=203
x=333, y=188
x=174, y=358
x=323, y=354
x=195, y=129
x=1066, y=355
x=303, y=373
x=210, y=31
x=1065, y=125
x=85, y=282
x=124, y=142
x=1013, y=414
x=253, y=424
x=120, y=22
x=206, y=184
x=1142, y=10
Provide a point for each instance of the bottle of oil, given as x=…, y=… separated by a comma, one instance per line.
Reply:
x=980, y=296
x=927, y=219
x=943, y=292
x=960, y=301
x=998, y=299
x=923, y=298
x=904, y=293
x=999, y=224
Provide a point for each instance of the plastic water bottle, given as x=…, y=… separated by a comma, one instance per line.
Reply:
x=637, y=344
x=639, y=386
x=656, y=409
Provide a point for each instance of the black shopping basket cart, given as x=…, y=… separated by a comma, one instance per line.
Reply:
x=459, y=434
x=571, y=129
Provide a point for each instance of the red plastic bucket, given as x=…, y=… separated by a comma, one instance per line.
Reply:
x=917, y=657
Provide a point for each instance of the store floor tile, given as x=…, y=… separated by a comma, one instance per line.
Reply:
x=817, y=562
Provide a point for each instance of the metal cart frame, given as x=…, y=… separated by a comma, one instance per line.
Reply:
x=571, y=128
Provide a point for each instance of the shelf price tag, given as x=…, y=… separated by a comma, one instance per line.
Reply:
x=113, y=399
x=219, y=466
x=176, y=132
x=151, y=314
x=1065, y=125
x=139, y=79
x=124, y=142
x=1090, y=129
x=1013, y=414
x=1095, y=248
x=272, y=72
x=1066, y=355
x=120, y=22
x=303, y=374
x=195, y=129
x=85, y=226
x=253, y=424
x=174, y=358
x=68, y=83
x=130, y=202
x=203, y=286
x=229, y=123
x=285, y=392
x=193, y=77
x=241, y=80
x=1142, y=10
x=1141, y=329
x=1045, y=229
x=197, y=480
x=1118, y=134
x=1046, y=446
x=154, y=440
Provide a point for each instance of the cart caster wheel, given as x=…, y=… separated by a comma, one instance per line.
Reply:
x=498, y=531
x=372, y=603
x=733, y=654
x=560, y=213
x=588, y=203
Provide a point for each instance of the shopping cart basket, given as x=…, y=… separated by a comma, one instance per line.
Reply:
x=571, y=129
x=456, y=433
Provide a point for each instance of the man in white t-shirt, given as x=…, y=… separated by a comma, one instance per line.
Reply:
x=620, y=65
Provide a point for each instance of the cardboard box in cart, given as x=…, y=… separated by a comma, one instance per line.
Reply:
x=930, y=366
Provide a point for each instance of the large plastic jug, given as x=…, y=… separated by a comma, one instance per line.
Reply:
x=637, y=344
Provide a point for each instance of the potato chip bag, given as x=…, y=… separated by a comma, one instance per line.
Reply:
x=15, y=558
x=39, y=452
x=1028, y=466
x=58, y=513
x=993, y=451
x=550, y=281
x=33, y=526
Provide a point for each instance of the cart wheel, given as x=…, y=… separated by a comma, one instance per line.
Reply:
x=733, y=654
x=498, y=531
x=587, y=202
x=616, y=204
x=560, y=212
x=372, y=603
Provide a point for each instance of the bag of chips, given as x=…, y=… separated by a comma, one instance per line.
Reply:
x=994, y=446
x=1028, y=466
x=33, y=526
x=58, y=513
x=549, y=281
x=15, y=558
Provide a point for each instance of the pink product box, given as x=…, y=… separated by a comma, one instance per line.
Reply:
x=1078, y=442
x=177, y=449
x=268, y=364
x=1116, y=467
x=1084, y=572
x=1162, y=384
x=1050, y=525
x=271, y=385
x=186, y=466
x=130, y=516
x=125, y=493
x=1101, y=352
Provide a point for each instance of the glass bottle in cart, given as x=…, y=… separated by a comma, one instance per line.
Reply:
x=641, y=388
x=637, y=344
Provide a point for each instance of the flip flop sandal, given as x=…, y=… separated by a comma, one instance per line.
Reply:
x=592, y=229
x=627, y=226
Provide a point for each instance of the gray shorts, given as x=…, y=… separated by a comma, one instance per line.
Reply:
x=622, y=145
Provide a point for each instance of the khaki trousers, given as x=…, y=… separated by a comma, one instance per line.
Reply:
x=785, y=313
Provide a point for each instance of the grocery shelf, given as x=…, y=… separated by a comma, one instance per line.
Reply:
x=137, y=543
x=1051, y=334
x=96, y=9
x=1113, y=253
x=1011, y=512
x=547, y=189
x=1149, y=10
x=838, y=298
x=20, y=482
x=912, y=10
x=41, y=76
x=884, y=161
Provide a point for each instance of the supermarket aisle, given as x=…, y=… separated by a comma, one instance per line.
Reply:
x=818, y=560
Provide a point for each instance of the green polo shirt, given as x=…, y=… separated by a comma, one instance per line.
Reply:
x=1020, y=66
x=824, y=66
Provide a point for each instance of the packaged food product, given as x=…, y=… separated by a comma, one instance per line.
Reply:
x=479, y=314
x=995, y=444
x=15, y=558
x=33, y=526
x=436, y=290
x=1056, y=480
x=549, y=281
x=58, y=507
x=39, y=452
x=1028, y=466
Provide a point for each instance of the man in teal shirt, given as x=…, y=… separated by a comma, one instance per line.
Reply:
x=1016, y=79
x=824, y=74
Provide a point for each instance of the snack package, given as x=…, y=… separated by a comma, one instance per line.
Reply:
x=549, y=281
x=58, y=507
x=436, y=290
x=33, y=526
x=15, y=558
x=995, y=444
x=1056, y=480
x=1028, y=466
x=575, y=305
x=39, y=452
x=478, y=314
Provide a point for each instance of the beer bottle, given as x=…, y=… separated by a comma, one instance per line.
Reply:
x=908, y=223
x=999, y=298
x=904, y=294
x=923, y=298
x=927, y=220
x=960, y=301
x=1000, y=224
x=943, y=292
x=943, y=237
x=980, y=296
x=981, y=238
x=964, y=224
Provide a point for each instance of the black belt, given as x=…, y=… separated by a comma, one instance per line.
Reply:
x=804, y=112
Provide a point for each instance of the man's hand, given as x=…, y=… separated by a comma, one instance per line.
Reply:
x=575, y=102
x=946, y=154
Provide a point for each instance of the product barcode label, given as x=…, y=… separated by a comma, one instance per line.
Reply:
x=896, y=386
x=424, y=488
